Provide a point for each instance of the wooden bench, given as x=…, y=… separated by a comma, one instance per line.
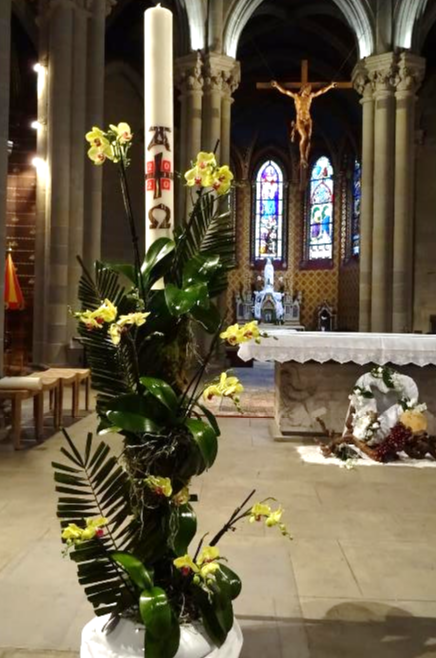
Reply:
x=73, y=377
x=16, y=397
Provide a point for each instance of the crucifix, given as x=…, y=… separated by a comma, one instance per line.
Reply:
x=303, y=98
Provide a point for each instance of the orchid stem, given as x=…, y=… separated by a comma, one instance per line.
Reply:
x=228, y=526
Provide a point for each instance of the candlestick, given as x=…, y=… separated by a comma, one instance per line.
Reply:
x=159, y=123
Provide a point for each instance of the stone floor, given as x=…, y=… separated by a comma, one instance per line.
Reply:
x=358, y=580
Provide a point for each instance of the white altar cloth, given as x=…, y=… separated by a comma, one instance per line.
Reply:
x=360, y=348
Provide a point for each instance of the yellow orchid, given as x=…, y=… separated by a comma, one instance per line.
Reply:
x=89, y=320
x=206, y=173
x=207, y=572
x=122, y=131
x=96, y=137
x=258, y=511
x=206, y=160
x=73, y=534
x=222, y=179
x=250, y=330
x=99, y=154
x=235, y=335
x=228, y=387
x=160, y=486
x=107, y=311
x=115, y=333
x=181, y=498
x=208, y=554
x=186, y=564
x=274, y=518
x=231, y=334
x=203, y=568
x=132, y=318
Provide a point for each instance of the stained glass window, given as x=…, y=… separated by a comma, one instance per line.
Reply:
x=355, y=217
x=320, y=229
x=268, y=225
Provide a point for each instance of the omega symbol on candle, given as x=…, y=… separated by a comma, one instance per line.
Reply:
x=160, y=213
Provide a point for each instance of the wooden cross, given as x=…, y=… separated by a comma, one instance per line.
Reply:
x=304, y=80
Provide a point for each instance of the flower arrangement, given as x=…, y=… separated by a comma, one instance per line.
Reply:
x=128, y=520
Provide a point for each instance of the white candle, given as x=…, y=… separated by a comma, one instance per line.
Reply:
x=159, y=124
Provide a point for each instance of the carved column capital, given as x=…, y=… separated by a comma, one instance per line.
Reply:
x=189, y=73
x=221, y=73
x=109, y=4
x=410, y=73
x=361, y=81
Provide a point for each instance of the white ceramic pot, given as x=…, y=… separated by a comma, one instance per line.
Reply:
x=127, y=641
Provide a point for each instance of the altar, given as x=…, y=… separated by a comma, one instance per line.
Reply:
x=315, y=373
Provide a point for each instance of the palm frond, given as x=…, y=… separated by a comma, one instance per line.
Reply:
x=93, y=484
x=105, y=285
x=209, y=231
x=112, y=368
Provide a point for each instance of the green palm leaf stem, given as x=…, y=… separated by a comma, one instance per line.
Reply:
x=127, y=516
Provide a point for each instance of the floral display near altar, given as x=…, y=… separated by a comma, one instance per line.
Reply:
x=128, y=519
x=385, y=421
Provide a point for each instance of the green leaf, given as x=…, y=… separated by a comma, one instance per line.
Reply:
x=229, y=581
x=130, y=422
x=156, y=258
x=200, y=269
x=155, y=611
x=211, y=418
x=211, y=622
x=162, y=391
x=205, y=438
x=209, y=318
x=183, y=526
x=180, y=301
x=125, y=269
x=134, y=567
x=165, y=646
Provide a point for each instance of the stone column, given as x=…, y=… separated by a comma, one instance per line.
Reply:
x=189, y=79
x=231, y=79
x=381, y=72
x=78, y=154
x=5, y=71
x=364, y=87
x=212, y=104
x=94, y=117
x=409, y=76
x=40, y=299
x=59, y=150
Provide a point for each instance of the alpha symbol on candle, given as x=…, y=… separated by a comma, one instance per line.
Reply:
x=159, y=216
x=160, y=137
x=158, y=175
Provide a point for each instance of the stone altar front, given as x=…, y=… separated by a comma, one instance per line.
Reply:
x=316, y=371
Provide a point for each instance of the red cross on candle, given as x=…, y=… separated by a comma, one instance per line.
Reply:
x=158, y=175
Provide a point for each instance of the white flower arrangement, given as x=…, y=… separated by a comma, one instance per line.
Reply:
x=365, y=425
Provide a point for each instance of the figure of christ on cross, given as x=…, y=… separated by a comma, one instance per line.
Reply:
x=303, y=125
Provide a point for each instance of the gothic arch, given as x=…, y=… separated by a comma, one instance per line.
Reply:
x=355, y=11
x=197, y=23
x=407, y=20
